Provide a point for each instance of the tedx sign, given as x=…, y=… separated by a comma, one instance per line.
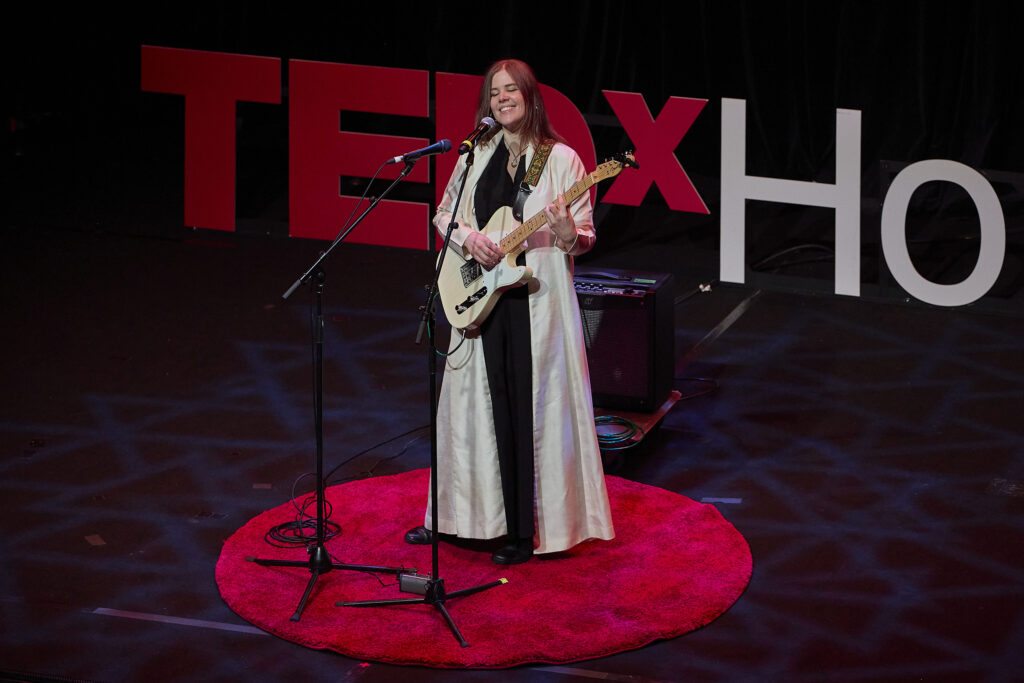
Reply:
x=319, y=152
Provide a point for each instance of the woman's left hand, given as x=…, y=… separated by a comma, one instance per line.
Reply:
x=560, y=220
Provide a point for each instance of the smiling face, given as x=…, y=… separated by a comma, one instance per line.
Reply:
x=507, y=102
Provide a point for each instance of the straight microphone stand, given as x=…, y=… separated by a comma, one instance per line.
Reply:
x=319, y=558
x=434, y=590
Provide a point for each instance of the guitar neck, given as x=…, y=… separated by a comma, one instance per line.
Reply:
x=514, y=239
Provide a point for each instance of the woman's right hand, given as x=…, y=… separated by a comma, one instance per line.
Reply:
x=483, y=250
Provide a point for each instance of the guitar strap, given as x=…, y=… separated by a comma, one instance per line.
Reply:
x=540, y=160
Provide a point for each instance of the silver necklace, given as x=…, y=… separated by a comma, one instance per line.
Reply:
x=514, y=158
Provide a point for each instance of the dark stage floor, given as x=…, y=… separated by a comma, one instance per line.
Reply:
x=158, y=395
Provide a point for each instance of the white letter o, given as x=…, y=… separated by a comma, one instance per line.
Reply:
x=993, y=232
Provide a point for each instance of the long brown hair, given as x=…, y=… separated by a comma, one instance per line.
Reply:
x=536, y=126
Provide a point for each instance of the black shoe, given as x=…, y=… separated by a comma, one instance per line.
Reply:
x=514, y=553
x=421, y=535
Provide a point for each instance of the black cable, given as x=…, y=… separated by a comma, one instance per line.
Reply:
x=790, y=250
x=302, y=530
x=299, y=532
x=703, y=288
x=346, y=461
x=291, y=534
x=366, y=571
x=707, y=380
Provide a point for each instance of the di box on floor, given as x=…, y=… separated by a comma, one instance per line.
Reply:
x=628, y=330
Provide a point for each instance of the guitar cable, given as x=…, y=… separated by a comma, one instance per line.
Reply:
x=430, y=335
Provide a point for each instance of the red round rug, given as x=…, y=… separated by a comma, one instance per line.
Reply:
x=674, y=566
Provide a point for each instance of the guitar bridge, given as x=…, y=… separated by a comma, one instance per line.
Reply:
x=470, y=271
x=470, y=300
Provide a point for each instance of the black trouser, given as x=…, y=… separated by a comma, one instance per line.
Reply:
x=506, y=341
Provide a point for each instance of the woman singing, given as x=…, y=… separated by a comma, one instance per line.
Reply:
x=517, y=449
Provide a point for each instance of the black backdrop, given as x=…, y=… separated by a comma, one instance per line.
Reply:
x=85, y=148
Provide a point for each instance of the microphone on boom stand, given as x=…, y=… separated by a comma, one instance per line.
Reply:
x=486, y=123
x=439, y=147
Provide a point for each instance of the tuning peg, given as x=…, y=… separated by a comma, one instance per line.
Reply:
x=626, y=159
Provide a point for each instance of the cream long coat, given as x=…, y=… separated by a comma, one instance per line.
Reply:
x=571, y=499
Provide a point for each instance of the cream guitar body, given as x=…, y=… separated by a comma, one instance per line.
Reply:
x=468, y=291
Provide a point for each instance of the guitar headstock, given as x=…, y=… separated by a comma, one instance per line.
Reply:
x=614, y=165
x=626, y=159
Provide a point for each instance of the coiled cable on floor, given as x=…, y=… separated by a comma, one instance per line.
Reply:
x=302, y=531
x=618, y=440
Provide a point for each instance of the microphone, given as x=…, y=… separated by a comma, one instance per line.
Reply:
x=439, y=147
x=486, y=123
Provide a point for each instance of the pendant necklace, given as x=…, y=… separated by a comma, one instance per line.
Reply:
x=514, y=158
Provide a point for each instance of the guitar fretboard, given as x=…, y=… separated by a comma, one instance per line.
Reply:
x=511, y=241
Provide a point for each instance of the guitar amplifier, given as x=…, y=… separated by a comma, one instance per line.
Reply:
x=629, y=332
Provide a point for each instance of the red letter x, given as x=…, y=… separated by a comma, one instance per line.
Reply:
x=655, y=142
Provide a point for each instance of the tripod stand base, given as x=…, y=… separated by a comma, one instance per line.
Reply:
x=320, y=563
x=436, y=596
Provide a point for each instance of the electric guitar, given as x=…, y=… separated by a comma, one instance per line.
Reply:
x=468, y=291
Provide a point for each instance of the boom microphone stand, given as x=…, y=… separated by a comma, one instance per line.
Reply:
x=433, y=588
x=319, y=559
